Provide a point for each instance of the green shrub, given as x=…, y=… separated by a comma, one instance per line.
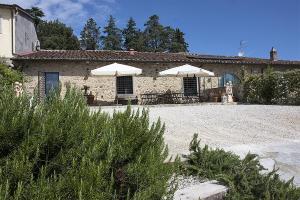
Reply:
x=273, y=88
x=244, y=178
x=8, y=76
x=58, y=149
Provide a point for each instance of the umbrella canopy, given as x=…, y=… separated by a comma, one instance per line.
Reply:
x=186, y=70
x=116, y=69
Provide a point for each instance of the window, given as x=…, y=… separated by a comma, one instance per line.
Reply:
x=190, y=86
x=124, y=85
x=51, y=81
x=229, y=77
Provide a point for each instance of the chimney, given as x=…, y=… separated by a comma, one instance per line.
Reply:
x=131, y=52
x=273, y=54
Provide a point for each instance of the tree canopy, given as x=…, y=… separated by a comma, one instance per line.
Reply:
x=37, y=14
x=178, y=43
x=56, y=35
x=154, y=37
x=90, y=35
x=154, y=34
x=112, y=40
x=130, y=34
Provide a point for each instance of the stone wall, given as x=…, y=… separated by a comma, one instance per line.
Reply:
x=104, y=88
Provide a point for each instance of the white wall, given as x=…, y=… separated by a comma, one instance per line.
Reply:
x=6, y=33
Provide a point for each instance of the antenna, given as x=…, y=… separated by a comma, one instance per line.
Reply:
x=243, y=45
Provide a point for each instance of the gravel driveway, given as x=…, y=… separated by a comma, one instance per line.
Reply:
x=272, y=132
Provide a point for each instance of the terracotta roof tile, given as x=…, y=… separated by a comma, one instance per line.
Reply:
x=102, y=55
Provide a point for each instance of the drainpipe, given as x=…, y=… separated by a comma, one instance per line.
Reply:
x=12, y=31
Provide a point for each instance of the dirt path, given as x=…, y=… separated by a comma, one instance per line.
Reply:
x=273, y=132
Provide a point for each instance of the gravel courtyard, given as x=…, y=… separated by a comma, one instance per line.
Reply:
x=272, y=132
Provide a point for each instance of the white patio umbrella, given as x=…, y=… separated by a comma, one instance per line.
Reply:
x=116, y=69
x=186, y=70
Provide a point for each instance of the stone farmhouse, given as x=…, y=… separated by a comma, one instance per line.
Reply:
x=49, y=67
x=46, y=69
x=17, y=31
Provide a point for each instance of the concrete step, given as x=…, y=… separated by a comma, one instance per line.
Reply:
x=209, y=190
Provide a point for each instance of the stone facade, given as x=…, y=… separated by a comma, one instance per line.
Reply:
x=104, y=88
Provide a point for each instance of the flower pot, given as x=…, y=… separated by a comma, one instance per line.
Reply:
x=215, y=99
x=90, y=99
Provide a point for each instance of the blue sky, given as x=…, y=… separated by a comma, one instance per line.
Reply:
x=211, y=26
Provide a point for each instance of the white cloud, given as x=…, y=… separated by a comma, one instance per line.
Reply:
x=71, y=12
x=22, y=3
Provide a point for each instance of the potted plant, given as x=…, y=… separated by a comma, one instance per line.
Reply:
x=89, y=96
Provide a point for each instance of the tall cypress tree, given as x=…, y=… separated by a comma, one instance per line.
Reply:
x=90, y=35
x=113, y=38
x=130, y=35
x=154, y=34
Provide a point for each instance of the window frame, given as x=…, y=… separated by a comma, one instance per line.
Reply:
x=193, y=81
x=45, y=75
x=127, y=89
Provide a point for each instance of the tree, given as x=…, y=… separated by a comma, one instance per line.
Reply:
x=167, y=36
x=56, y=35
x=37, y=15
x=178, y=43
x=131, y=35
x=140, y=44
x=113, y=38
x=154, y=34
x=90, y=35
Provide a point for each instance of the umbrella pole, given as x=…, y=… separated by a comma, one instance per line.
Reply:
x=199, y=87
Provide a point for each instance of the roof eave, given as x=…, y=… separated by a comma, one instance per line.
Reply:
x=160, y=61
x=17, y=7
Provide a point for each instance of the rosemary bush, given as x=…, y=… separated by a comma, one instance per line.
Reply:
x=58, y=149
x=243, y=177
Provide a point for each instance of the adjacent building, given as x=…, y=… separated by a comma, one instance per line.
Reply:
x=17, y=31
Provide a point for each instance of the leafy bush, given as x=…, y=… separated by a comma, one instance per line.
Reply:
x=8, y=76
x=58, y=149
x=273, y=88
x=243, y=177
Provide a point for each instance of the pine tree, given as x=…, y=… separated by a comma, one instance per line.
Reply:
x=90, y=35
x=141, y=42
x=167, y=38
x=178, y=43
x=130, y=35
x=154, y=33
x=113, y=38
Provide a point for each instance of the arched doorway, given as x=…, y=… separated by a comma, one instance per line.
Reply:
x=225, y=78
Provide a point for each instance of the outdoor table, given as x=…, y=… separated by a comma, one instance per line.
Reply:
x=169, y=98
